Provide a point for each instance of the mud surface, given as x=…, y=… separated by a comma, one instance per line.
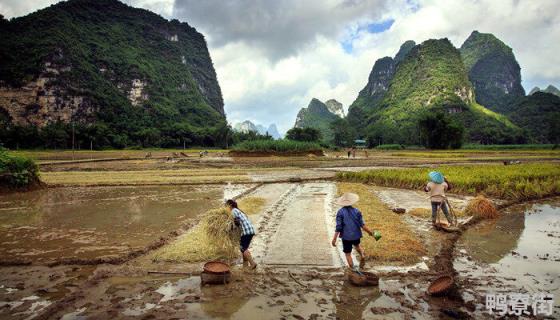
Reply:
x=519, y=253
x=298, y=277
x=86, y=223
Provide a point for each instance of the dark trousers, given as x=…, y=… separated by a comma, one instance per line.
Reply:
x=444, y=208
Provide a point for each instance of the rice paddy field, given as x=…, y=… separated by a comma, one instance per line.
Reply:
x=136, y=226
x=517, y=182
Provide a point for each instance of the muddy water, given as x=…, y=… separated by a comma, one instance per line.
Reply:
x=96, y=222
x=518, y=253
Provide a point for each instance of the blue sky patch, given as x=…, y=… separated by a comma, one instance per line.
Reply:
x=375, y=27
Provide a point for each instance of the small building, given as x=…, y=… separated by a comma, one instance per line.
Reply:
x=360, y=144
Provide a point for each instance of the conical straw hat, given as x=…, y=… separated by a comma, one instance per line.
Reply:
x=347, y=199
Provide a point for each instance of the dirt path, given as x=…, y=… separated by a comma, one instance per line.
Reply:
x=296, y=230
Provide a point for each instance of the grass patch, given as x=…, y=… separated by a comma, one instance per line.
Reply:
x=282, y=146
x=509, y=146
x=17, y=171
x=439, y=155
x=210, y=239
x=398, y=244
x=525, y=181
x=93, y=178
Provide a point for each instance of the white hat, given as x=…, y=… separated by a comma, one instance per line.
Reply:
x=347, y=199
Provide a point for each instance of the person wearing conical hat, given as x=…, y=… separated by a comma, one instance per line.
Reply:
x=349, y=226
x=437, y=186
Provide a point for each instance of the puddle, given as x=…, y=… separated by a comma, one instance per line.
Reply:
x=247, y=297
x=518, y=253
x=98, y=221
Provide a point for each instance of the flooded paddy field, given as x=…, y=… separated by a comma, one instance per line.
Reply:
x=49, y=235
x=50, y=225
x=517, y=254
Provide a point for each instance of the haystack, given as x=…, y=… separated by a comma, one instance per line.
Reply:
x=481, y=208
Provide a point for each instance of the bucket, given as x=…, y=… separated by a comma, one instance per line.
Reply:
x=216, y=267
x=212, y=278
x=365, y=279
x=440, y=286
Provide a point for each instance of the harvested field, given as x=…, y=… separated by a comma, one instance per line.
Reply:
x=399, y=244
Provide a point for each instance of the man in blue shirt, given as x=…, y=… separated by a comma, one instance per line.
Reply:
x=349, y=225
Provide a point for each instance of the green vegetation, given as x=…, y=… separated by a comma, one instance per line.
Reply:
x=524, y=181
x=280, y=146
x=304, y=134
x=390, y=147
x=539, y=115
x=17, y=171
x=97, y=48
x=317, y=116
x=343, y=133
x=439, y=131
x=492, y=67
x=432, y=77
x=509, y=146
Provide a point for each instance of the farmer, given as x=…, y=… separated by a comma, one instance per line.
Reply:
x=349, y=225
x=247, y=232
x=436, y=187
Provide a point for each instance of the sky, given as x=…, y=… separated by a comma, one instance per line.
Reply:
x=273, y=56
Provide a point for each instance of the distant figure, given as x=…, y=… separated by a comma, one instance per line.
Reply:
x=148, y=155
x=353, y=152
x=349, y=153
x=201, y=153
x=436, y=187
x=349, y=225
x=247, y=232
x=365, y=151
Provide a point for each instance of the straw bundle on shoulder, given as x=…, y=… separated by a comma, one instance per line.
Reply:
x=214, y=237
x=481, y=208
x=221, y=230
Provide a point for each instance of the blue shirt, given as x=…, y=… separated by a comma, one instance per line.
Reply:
x=244, y=222
x=349, y=223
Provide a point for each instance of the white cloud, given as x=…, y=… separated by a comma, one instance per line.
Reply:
x=270, y=87
x=18, y=8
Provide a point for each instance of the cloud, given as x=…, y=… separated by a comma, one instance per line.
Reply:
x=18, y=8
x=278, y=28
x=273, y=57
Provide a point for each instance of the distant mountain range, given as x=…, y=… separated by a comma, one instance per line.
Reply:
x=247, y=126
x=320, y=115
x=550, y=89
x=478, y=84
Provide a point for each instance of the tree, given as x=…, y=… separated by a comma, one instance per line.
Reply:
x=343, y=133
x=439, y=131
x=304, y=134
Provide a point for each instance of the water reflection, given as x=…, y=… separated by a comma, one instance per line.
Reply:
x=351, y=302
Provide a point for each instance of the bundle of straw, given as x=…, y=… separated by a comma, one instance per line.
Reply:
x=481, y=208
x=221, y=230
x=214, y=237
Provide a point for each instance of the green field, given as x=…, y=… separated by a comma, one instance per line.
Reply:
x=524, y=181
